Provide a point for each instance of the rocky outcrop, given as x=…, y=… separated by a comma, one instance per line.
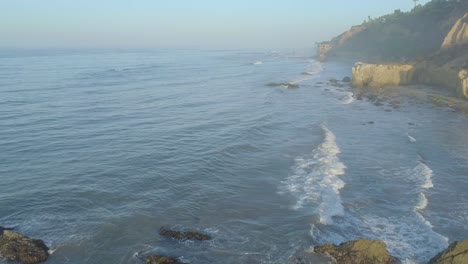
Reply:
x=458, y=35
x=16, y=247
x=360, y=251
x=158, y=259
x=189, y=235
x=381, y=75
x=456, y=253
x=323, y=49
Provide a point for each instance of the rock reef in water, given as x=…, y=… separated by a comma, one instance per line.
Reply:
x=158, y=259
x=17, y=247
x=456, y=253
x=189, y=235
x=360, y=251
x=286, y=85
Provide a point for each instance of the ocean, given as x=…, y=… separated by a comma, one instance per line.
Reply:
x=99, y=149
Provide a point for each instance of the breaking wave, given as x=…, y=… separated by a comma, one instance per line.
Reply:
x=316, y=180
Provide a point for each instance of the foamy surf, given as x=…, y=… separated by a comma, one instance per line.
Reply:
x=316, y=181
x=347, y=98
x=423, y=174
x=406, y=238
x=258, y=63
x=408, y=235
x=411, y=139
x=312, y=71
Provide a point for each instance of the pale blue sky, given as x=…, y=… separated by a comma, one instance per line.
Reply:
x=182, y=23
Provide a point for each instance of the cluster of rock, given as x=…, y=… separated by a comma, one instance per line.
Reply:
x=20, y=248
x=175, y=234
x=364, y=251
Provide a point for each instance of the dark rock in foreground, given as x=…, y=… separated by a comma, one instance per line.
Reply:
x=16, y=247
x=190, y=235
x=306, y=257
x=456, y=253
x=346, y=80
x=361, y=251
x=157, y=259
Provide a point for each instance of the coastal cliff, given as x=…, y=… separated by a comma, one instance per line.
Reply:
x=458, y=35
x=428, y=45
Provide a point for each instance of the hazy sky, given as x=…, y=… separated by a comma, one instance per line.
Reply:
x=182, y=23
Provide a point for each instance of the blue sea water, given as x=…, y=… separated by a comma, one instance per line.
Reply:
x=99, y=149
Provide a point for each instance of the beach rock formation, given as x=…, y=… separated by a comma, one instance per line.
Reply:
x=189, y=235
x=17, y=247
x=158, y=259
x=307, y=257
x=360, y=251
x=381, y=75
x=430, y=72
x=456, y=253
x=323, y=49
x=458, y=35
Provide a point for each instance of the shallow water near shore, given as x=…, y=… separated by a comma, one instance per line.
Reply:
x=100, y=149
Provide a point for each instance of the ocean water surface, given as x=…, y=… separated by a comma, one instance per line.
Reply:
x=99, y=149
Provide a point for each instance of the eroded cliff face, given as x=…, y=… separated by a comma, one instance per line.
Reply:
x=458, y=35
x=381, y=75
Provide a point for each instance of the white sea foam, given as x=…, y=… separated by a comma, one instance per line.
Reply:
x=316, y=179
x=412, y=139
x=347, y=98
x=424, y=174
x=258, y=63
x=422, y=202
x=312, y=71
x=408, y=234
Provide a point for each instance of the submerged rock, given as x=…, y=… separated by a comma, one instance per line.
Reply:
x=456, y=253
x=286, y=85
x=360, y=251
x=189, y=235
x=346, y=79
x=158, y=259
x=16, y=247
x=306, y=257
